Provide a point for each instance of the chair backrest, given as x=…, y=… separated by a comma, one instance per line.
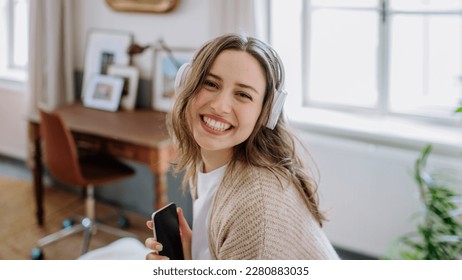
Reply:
x=60, y=152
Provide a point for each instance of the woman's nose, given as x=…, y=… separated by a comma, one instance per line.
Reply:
x=221, y=102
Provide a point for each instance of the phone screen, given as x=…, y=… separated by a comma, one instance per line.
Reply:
x=167, y=231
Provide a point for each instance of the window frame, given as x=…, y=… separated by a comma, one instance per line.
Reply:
x=12, y=72
x=377, y=126
x=382, y=107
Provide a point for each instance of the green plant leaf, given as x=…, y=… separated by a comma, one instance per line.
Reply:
x=436, y=235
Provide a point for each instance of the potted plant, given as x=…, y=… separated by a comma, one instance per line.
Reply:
x=439, y=231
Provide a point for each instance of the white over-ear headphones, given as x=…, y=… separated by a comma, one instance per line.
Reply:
x=181, y=76
x=278, y=102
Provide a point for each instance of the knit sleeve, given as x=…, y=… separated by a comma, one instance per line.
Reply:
x=258, y=217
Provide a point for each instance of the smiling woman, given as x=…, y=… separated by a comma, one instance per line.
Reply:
x=245, y=176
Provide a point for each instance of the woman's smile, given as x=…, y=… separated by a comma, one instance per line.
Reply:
x=215, y=124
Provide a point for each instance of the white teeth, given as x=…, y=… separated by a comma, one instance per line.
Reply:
x=216, y=125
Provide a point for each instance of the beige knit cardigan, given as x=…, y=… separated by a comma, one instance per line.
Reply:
x=257, y=215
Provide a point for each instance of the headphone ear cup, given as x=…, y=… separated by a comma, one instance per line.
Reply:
x=181, y=76
x=276, y=108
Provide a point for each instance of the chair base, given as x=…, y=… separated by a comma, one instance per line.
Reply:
x=88, y=226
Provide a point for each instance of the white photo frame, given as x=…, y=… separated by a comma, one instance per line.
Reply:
x=103, y=92
x=130, y=74
x=166, y=65
x=103, y=48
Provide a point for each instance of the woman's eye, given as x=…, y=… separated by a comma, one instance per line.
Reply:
x=210, y=84
x=245, y=95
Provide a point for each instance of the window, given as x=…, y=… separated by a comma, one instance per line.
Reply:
x=382, y=57
x=13, y=39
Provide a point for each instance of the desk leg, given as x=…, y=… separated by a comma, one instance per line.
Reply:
x=37, y=170
x=160, y=163
x=161, y=190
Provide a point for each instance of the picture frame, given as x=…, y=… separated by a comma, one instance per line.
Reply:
x=167, y=61
x=130, y=74
x=143, y=6
x=103, y=92
x=103, y=48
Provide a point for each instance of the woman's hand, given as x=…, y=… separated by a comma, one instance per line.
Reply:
x=186, y=236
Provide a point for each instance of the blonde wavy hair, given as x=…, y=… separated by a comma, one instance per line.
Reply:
x=270, y=148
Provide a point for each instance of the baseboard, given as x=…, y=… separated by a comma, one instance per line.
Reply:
x=17, y=154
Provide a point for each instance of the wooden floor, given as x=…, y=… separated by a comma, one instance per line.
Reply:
x=19, y=230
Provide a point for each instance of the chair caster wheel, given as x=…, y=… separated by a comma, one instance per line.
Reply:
x=124, y=222
x=37, y=254
x=67, y=223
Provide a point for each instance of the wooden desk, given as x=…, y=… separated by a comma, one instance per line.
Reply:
x=139, y=135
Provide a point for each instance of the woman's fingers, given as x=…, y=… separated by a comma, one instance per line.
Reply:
x=156, y=248
x=152, y=244
x=154, y=256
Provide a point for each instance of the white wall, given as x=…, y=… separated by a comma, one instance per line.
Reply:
x=368, y=190
x=13, y=121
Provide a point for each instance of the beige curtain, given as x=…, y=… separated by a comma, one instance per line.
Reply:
x=51, y=79
x=238, y=16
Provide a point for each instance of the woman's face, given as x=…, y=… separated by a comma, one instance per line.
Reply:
x=224, y=111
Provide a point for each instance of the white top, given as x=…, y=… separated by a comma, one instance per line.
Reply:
x=206, y=187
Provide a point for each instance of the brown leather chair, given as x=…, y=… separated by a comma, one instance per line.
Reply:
x=64, y=163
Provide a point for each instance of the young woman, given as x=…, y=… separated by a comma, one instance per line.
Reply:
x=253, y=198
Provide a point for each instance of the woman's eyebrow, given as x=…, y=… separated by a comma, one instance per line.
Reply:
x=215, y=76
x=248, y=87
x=238, y=84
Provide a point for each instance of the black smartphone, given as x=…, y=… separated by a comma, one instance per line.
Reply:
x=166, y=230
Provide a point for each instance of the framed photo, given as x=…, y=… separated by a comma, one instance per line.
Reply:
x=130, y=74
x=143, y=6
x=103, y=48
x=166, y=65
x=103, y=92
